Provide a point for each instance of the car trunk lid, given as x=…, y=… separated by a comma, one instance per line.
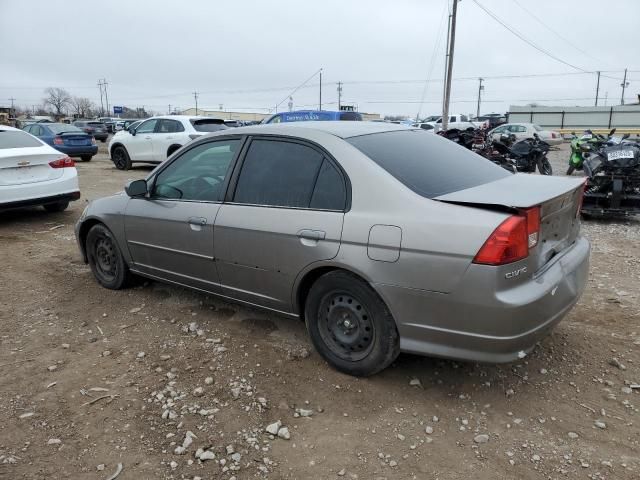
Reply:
x=559, y=200
x=74, y=139
x=27, y=165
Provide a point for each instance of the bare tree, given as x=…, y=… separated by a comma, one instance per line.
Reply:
x=82, y=106
x=58, y=98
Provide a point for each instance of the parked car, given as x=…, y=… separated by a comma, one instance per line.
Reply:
x=155, y=139
x=425, y=126
x=456, y=121
x=382, y=238
x=312, y=115
x=526, y=130
x=34, y=173
x=65, y=138
x=492, y=120
x=94, y=128
x=109, y=123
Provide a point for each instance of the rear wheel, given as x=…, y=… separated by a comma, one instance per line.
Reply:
x=350, y=326
x=56, y=207
x=86, y=158
x=121, y=158
x=105, y=259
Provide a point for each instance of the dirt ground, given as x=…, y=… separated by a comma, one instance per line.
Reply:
x=92, y=378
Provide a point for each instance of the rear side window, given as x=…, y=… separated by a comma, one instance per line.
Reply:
x=427, y=164
x=17, y=139
x=170, y=126
x=329, y=192
x=355, y=116
x=278, y=173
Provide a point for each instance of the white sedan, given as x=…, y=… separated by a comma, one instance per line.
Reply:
x=526, y=130
x=33, y=173
x=155, y=139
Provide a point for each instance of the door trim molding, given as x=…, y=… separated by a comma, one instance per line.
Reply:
x=173, y=250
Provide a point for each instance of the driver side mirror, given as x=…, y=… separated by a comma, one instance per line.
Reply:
x=132, y=131
x=136, y=188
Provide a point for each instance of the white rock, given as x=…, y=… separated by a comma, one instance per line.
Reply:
x=100, y=467
x=65, y=345
x=199, y=452
x=236, y=457
x=393, y=463
x=274, y=427
x=53, y=368
x=304, y=412
x=543, y=371
x=536, y=458
x=188, y=439
x=208, y=380
x=600, y=424
x=26, y=415
x=415, y=382
x=198, y=391
x=435, y=419
x=54, y=441
x=400, y=437
x=284, y=433
x=208, y=455
x=482, y=438
x=342, y=472
x=428, y=430
x=573, y=435
x=193, y=326
x=235, y=392
x=230, y=449
x=180, y=450
x=173, y=465
x=140, y=355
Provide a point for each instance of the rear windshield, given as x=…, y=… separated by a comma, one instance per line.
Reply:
x=428, y=164
x=208, y=125
x=17, y=139
x=350, y=116
x=60, y=128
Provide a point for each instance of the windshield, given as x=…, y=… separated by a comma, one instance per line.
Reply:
x=17, y=139
x=428, y=164
x=62, y=127
x=208, y=125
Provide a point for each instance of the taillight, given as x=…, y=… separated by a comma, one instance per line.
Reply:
x=62, y=163
x=58, y=141
x=93, y=141
x=553, y=134
x=512, y=240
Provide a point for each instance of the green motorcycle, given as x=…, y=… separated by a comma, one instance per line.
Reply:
x=588, y=142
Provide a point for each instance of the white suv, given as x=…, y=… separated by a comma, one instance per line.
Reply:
x=33, y=173
x=155, y=139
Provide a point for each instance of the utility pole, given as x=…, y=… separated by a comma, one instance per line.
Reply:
x=12, y=113
x=597, y=88
x=624, y=85
x=106, y=96
x=169, y=109
x=101, y=103
x=452, y=42
x=339, y=95
x=195, y=96
x=320, y=101
x=480, y=89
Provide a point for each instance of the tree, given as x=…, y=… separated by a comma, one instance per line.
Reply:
x=59, y=99
x=82, y=106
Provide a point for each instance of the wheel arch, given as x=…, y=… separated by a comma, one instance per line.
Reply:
x=112, y=147
x=172, y=149
x=82, y=235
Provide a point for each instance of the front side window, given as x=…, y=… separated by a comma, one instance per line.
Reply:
x=278, y=173
x=198, y=174
x=147, y=127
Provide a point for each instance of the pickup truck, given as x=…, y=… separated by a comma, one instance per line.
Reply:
x=456, y=120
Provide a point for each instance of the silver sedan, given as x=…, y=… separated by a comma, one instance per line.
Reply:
x=381, y=238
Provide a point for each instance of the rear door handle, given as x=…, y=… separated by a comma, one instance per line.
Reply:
x=201, y=221
x=312, y=234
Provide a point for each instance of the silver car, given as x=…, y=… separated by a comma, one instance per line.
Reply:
x=382, y=238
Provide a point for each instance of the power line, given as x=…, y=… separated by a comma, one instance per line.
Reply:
x=524, y=39
x=556, y=33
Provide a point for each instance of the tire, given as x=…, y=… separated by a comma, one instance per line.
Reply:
x=121, y=158
x=369, y=344
x=570, y=170
x=56, y=207
x=103, y=140
x=86, y=158
x=544, y=167
x=105, y=259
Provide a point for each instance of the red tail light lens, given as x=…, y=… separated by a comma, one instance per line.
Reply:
x=64, y=162
x=512, y=240
x=58, y=141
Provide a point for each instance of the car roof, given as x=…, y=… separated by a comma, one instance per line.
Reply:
x=185, y=117
x=338, y=128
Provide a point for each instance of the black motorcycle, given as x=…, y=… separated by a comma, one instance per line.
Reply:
x=613, y=179
x=519, y=156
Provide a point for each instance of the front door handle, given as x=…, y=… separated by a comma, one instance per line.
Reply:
x=200, y=221
x=312, y=234
x=147, y=138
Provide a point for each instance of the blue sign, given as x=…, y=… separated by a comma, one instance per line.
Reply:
x=117, y=109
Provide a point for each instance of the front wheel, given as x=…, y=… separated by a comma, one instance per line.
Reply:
x=105, y=259
x=544, y=167
x=350, y=326
x=121, y=158
x=86, y=158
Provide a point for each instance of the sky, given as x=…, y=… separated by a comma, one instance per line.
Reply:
x=250, y=55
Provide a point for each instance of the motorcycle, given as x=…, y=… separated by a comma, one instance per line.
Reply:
x=516, y=156
x=613, y=178
x=587, y=142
